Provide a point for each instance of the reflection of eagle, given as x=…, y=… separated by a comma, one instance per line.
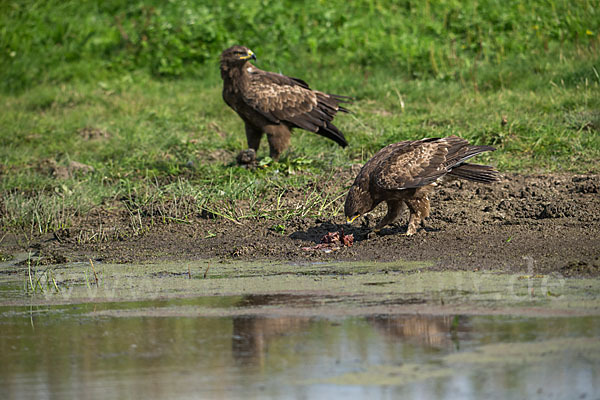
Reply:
x=427, y=330
x=273, y=104
x=405, y=173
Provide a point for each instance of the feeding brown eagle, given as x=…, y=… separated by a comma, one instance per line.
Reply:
x=274, y=104
x=404, y=174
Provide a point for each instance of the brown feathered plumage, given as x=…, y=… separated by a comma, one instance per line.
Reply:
x=274, y=104
x=403, y=174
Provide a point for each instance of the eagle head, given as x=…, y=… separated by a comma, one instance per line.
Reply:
x=237, y=55
x=358, y=202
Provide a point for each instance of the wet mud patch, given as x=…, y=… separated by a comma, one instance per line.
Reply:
x=310, y=289
x=536, y=223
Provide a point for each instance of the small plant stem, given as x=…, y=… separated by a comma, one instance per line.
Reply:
x=94, y=269
x=29, y=270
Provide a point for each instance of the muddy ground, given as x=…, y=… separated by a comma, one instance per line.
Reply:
x=531, y=223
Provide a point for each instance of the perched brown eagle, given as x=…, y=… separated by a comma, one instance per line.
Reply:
x=274, y=104
x=404, y=174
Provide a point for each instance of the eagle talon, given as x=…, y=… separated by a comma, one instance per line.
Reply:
x=410, y=232
x=374, y=233
x=247, y=158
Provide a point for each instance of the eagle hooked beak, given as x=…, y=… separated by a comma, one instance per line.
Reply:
x=350, y=220
x=250, y=55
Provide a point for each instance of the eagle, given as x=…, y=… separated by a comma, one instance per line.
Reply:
x=405, y=173
x=272, y=103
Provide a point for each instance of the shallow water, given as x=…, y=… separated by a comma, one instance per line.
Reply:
x=331, y=343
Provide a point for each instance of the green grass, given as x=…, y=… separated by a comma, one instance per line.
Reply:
x=134, y=92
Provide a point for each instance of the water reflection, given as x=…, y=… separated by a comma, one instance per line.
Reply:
x=424, y=330
x=252, y=334
x=68, y=352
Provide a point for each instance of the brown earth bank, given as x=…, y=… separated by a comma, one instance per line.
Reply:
x=527, y=223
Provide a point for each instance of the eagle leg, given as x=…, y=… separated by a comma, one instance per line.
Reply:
x=394, y=209
x=247, y=158
x=253, y=136
x=413, y=223
x=279, y=139
x=419, y=210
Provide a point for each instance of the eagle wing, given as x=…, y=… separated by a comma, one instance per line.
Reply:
x=417, y=163
x=412, y=164
x=281, y=98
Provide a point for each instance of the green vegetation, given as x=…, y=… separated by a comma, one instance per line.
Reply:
x=132, y=90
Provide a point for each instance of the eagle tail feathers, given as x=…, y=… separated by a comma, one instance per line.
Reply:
x=475, y=172
x=330, y=131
